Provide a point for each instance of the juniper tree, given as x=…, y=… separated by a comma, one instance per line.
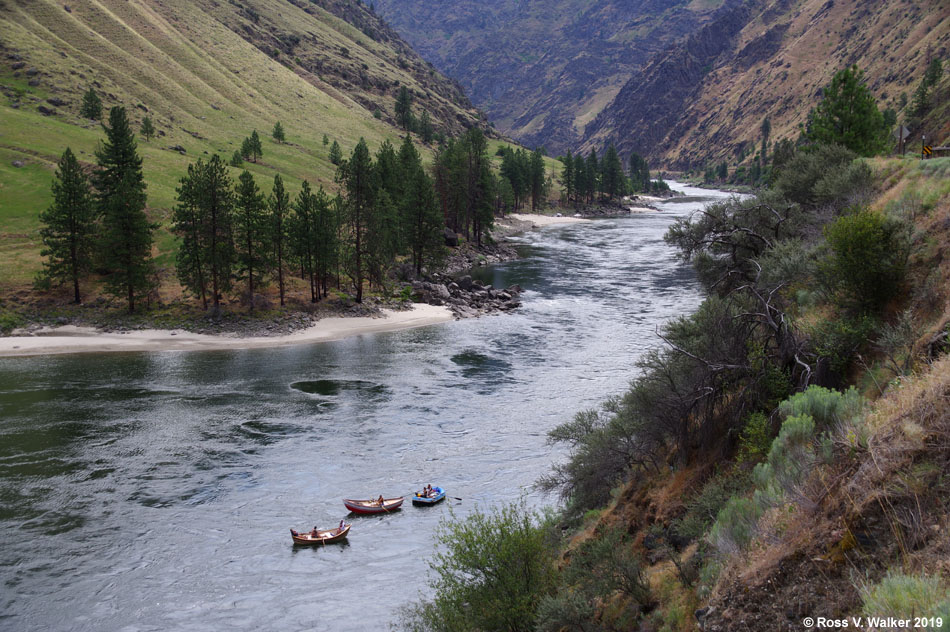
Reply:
x=68, y=231
x=279, y=204
x=251, y=238
x=147, y=130
x=91, y=107
x=126, y=240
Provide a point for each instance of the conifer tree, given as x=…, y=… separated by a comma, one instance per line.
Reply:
x=126, y=243
x=326, y=140
x=326, y=253
x=639, y=173
x=251, y=148
x=567, y=176
x=278, y=132
x=421, y=217
x=766, y=131
x=68, y=231
x=279, y=205
x=304, y=238
x=251, y=234
x=147, y=130
x=91, y=107
x=425, y=127
x=536, y=174
x=848, y=116
x=237, y=160
x=336, y=154
x=404, y=108
x=612, y=173
x=580, y=180
x=357, y=177
x=203, y=219
x=592, y=175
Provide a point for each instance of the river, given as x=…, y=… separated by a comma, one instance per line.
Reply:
x=155, y=491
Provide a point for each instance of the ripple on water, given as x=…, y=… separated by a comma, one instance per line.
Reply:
x=332, y=388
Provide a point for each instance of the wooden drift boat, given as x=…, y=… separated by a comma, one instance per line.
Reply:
x=436, y=495
x=323, y=537
x=373, y=506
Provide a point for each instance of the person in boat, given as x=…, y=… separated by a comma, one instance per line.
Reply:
x=341, y=527
x=314, y=533
x=427, y=491
x=380, y=501
x=294, y=533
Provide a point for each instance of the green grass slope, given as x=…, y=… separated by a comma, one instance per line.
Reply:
x=207, y=73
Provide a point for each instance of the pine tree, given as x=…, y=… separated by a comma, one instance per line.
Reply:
x=567, y=176
x=425, y=127
x=279, y=204
x=612, y=172
x=847, y=115
x=278, y=132
x=126, y=244
x=237, y=160
x=422, y=217
x=592, y=176
x=203, y=220
x=69, y=227
x=536, y=173
x=766, y=131
x=304, y=238
x=147, y=130
x=326, y=253
x=639, y=173
x=404, y=108
x=251, y=235
x=255, y=146
x=91, y=107
x=336, y=154
x=357, y=177
x=326, y=140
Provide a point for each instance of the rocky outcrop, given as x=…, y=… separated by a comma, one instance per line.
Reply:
x=466, y=297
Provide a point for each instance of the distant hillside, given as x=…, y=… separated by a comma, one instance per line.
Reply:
x=706, y=97
x=543, y=70
x=207, y=73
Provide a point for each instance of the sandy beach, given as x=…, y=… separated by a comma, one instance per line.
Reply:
x=545, y=220
x=71, y=339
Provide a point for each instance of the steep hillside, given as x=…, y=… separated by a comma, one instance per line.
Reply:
x=706, y=97
x=207, y=74
x=543, y=70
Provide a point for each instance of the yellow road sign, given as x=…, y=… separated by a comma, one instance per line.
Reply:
x=928, y=150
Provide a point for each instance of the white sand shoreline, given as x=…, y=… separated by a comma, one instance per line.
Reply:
x=71, y=339
x=546, y=220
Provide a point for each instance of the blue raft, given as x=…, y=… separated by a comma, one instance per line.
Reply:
x=437, y=495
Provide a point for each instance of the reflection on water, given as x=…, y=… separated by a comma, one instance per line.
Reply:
x=154, y=491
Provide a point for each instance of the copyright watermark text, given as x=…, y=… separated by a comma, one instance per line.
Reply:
x=859, y=623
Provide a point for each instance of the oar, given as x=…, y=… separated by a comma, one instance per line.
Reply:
x=455, y=497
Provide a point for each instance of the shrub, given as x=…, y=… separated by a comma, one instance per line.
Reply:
x=607, y=564
x=826, y=407
x=755, y=438
x=906, y=597
x=798, y=179
x=492, y=574
x=838, y=340
x=10, y=321
x=702, y=509
x=567, y=610
x=867, y=261
x=736, y=525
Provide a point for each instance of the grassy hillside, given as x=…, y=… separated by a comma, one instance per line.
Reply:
x=207, y=74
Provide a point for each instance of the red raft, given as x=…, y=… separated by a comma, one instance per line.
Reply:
x=322, y=537
x=373, y=506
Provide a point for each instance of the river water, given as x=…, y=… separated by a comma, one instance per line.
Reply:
x=154, y=491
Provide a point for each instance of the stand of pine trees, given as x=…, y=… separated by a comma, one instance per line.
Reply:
x=235, y=239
